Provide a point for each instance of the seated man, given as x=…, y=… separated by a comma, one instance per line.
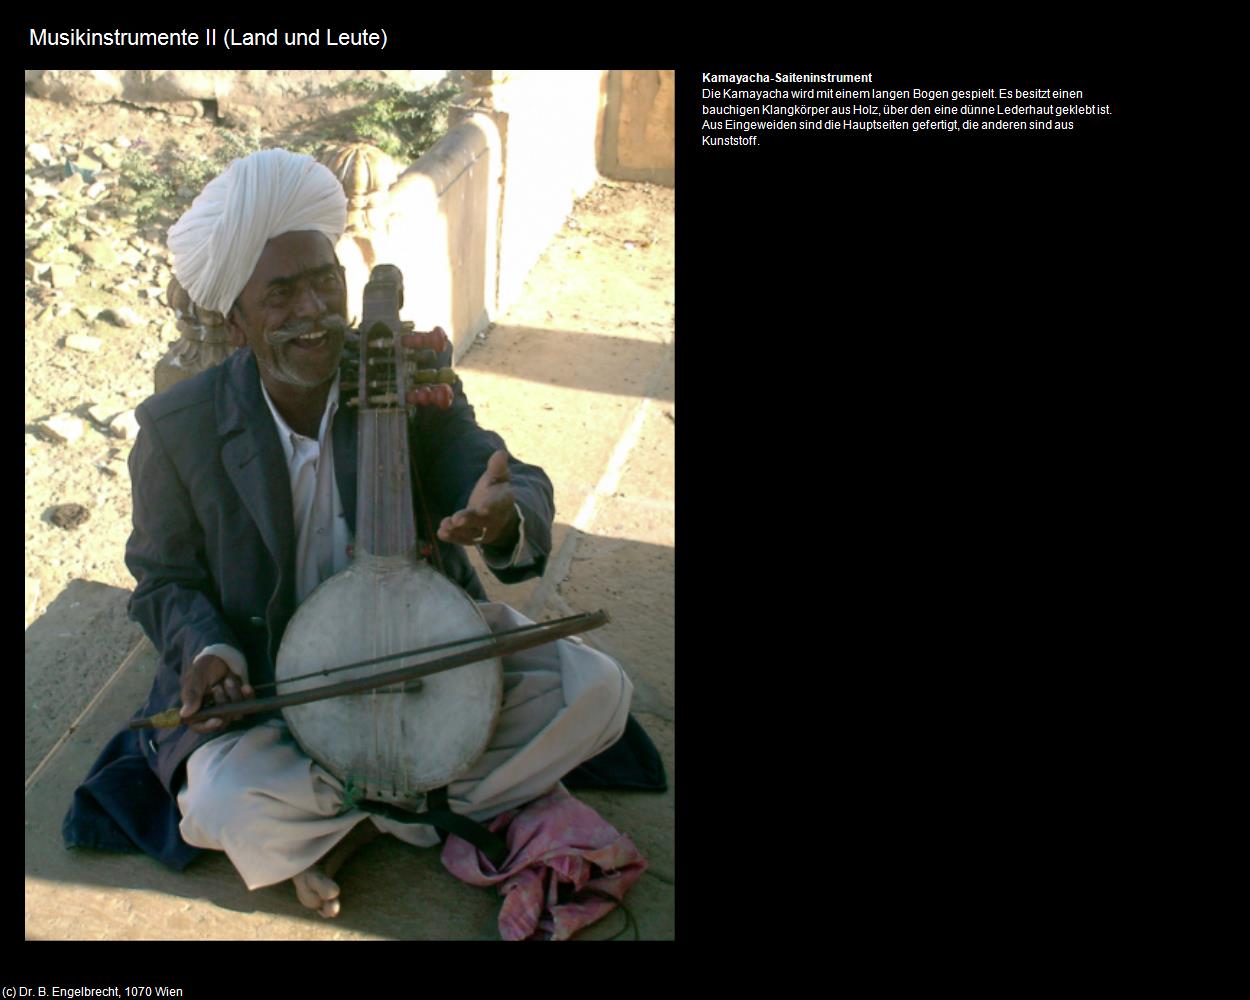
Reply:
x=244, y=486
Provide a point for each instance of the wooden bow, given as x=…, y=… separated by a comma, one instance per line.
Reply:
x=502, y=644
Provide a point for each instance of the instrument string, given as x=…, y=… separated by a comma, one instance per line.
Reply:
x=388, y=483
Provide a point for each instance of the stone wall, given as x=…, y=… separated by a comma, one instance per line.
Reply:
x=469, y=219
x=639, y=126
x=476, y=212
x=441, y=231
x=227, y=88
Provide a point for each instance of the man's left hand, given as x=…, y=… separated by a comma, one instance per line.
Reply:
x=490, y=518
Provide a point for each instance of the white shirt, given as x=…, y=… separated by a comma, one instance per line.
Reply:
x=322, y=534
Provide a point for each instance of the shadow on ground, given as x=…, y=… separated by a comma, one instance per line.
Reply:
x=71, y=650
x=576, y=359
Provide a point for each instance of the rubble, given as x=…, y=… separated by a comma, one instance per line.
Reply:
x=125, y=425
x=41, y=154
x=99, y=252
x=63, y=428
x=103, y=413
x=122, y=316
x=37, y=187
x=69, y=515
x=63, y=275
x=83, y=342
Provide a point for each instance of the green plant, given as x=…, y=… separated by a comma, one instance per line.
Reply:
x=402, y=123
x=164, y=185
x=235, y=145
x=151, y=192
x=59, y=227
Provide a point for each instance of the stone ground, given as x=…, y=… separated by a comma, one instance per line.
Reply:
x=577, y=376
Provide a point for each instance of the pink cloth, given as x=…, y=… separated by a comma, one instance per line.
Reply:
x=553, y=842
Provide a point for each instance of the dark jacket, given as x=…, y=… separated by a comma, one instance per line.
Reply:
x=213, y=555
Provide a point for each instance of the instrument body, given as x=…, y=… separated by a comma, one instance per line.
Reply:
x=395, y=743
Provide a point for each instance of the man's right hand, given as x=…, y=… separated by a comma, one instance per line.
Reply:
x=211, y=675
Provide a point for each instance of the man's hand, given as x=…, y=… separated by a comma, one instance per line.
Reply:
x=490, y=518
x=211, y=675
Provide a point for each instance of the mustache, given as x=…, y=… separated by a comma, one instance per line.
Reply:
x=330, y=323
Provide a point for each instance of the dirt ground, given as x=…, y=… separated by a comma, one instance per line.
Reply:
x=93, y=268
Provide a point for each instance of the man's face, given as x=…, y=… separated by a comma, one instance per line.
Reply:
x=292, y=311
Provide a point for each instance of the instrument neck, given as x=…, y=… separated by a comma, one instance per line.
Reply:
x=384, y=517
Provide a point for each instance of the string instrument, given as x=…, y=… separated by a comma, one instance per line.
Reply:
x=391, y=743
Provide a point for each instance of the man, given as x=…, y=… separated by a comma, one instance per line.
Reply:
x=244, y=493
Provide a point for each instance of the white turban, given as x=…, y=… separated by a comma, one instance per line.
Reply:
x=219, y=239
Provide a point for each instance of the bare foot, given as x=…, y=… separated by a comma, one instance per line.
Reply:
x=317, y=891
x=316, y=887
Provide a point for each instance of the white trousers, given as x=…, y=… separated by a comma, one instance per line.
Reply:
x=275, y=812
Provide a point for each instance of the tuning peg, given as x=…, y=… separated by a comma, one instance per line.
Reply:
x=424, y=356
x=446, y=376
x=434, y=340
